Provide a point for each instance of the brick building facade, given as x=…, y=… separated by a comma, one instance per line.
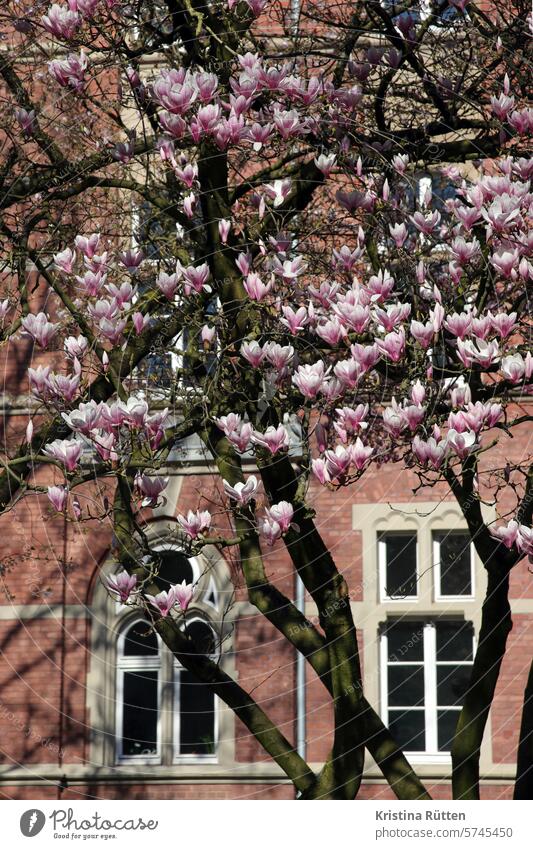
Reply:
x=78, y=675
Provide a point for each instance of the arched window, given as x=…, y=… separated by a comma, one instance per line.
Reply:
x=138, y=693
x=195, y=717
x=164, y=714
x=143, y=706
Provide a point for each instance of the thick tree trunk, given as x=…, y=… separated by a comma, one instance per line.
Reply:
x=524, y=762
x=496, y=624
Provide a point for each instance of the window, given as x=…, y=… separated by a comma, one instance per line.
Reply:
x=425, y=671
x=163, y=711
x=445, y=14
x=453, y=559
x=195, y=715
x=397, y=557
x=138, y=694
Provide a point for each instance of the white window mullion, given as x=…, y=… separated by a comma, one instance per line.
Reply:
x=430, y=686
x=383, y=673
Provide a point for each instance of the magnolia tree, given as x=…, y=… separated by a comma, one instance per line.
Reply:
x=330, y=233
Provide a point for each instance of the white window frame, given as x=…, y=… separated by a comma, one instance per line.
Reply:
x=436, y=567
x=179, y=757
x=382, y=566
x=140, y=663
x=431, y=755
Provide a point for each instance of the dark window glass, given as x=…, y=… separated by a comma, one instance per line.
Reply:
x=174, y=567
x=140, y=640
x=447, y=720
x=400, y=574
x=405, y=641
x=408, y=729
x=202, y=636
x=139, y=713
x=455, y=641
x=455, y=564
x=197, y=716
x=406, y=685
x=452, y=684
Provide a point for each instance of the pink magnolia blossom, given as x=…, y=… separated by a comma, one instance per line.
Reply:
x=320, y=470
x=507, y=534
x=224, y=227
x=131, y=259
x=65, y=260
x=194, y=278
x=513, y=368
x=418, y=393
x=229, y=424
x=140, y=321
x=241, y=492
x=325, y=164
x=195, y=523
x=255, y=288
x=462, y=443
x=70, y=71
x=309, y=379
x=253, y=353
x=478, y=351
x=503, y=323
x=524, y=540
x=398, y=233
x=360, y=454
x=274, y=439
x=278, y=191
x=423, y=333
x=167, y=283
x=151, y=487
x=39, y=328
x=431, y=453
x=66, y=451
x=64, y=386
x=393, y=345
x=61, y=22
x=348, y=372
x=281, y=513
x=294, y=320
x=39, y=380
x=279, y=355
x=58, y=496
x=121, y=585
x=163, y=601
x=338, y=461
x=183, y=593
x=76, y=346
x=271, y=531
x=241, y=437
x=88, y=245
x=350, y=421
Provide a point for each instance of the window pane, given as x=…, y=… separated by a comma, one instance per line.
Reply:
x=174, y=567
x=400, y=573
x=197, y=717
x=405, y=641
x=455, y=564
x=447, y=720
x=140, y=640
x=452, y=684
x=406, y=685
x=407, y=728
x=455, y=641
x=202, y=636
x=139, y=714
